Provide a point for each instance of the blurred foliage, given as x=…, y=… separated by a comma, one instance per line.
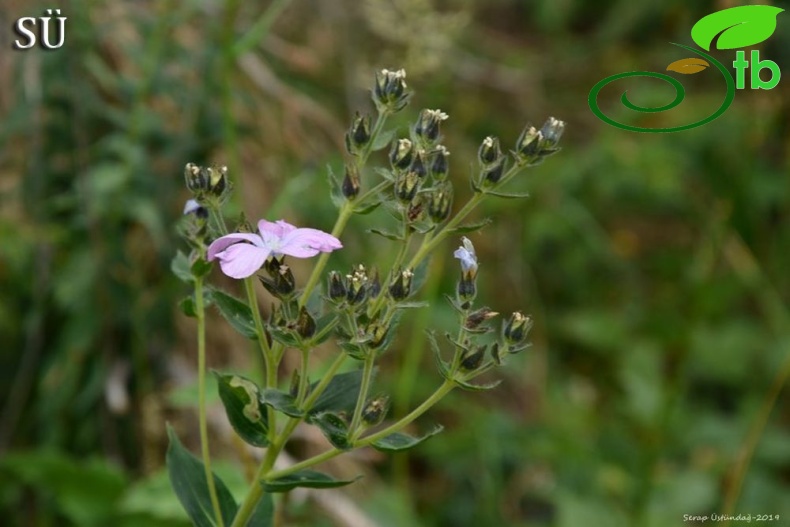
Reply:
x=655, y=266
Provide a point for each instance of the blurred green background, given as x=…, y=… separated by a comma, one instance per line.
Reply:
x=655, y=266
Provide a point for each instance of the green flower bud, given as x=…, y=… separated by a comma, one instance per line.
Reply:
x=440, y=165
x=528, y=143
x=427, y=126
x=418, y=164
x=218, y=180
x=493, y=173
x=357, y=286
x=337, y=289
x=376, y=410
x=441, y=202
x=406, y=187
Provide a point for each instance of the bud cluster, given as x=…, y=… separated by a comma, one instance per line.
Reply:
x=280, y=281
x=205, y=183
x=534, y=145
x=390, y=93
x=354, y=288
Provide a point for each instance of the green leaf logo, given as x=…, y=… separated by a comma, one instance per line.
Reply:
x=739, y=27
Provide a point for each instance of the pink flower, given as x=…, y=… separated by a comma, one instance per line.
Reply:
x=241, y=254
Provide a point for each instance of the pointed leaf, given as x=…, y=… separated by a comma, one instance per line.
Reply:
x=187, y=306
x=411, y=305
x=386, y=234
x=477, y=387
x=246, y=413
x=739, y=27
x=281, y=401
x=471, y=227
x=181, y=267
x=304, y=478
x=236, y=312
x=399, y=442
x=382, y=140
x=334, y=428
x=201, y=268
x=340, y=395
x=285, y=336
x=188, y=478
x=508, y=195
x=336, y=193
x=367, y=208
x=444, y=369
x=688, y=66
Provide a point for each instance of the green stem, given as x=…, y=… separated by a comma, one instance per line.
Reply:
x=200, y=313
x=270, y=367
x=367, y=375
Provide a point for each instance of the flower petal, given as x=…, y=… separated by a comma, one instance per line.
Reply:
x=242, y=259
x=303, y=243
x=279, y=228
x=220, y=244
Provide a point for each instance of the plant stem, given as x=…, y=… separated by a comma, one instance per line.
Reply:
x=200, y=313
x=367, y=374
x=270, y=367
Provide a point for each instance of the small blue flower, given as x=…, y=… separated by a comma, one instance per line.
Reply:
x=191, y=206
x=467, y=255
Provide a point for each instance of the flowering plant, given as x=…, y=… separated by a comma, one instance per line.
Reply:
x=358, y=311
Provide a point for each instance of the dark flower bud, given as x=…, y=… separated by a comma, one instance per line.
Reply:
x=406, y=187
x=337, y=289
x=358, y=136
x=401, y=285
x=493, y=172
x=281, y=282
x=401, y=153
x=350, y=186
x=440, y=164
x=305, y=324
x=495, y=354
x=472, y=359
x=427, y=126
x=374, y=283
x=376, y=410
x=476, y=318
x=516, y=328
x=528, y=143
x=390, y=93
x=441, y=202
x=294, y=388
x=418, y=164
x=489, y=151
x=467, y=290
x=195, y=178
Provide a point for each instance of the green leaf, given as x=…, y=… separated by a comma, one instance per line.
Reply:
x=334, y=428
x=386, y=234
x=324, y=327
x=246, y=413
x=367, y=208
x=382, y=140
x=181, y=267
x=263, y=516
x=187, y=306
x=508, y=195
x=281, y=401
x=340, y=394
x=285, y=336
x=336, y=193
x=739, y=27
x=304, y=478
x=470, y=227
x=477, y=387
x=236, y=312
x=411, y=305
x=444, y=368
x=398, y=441
x=201, y=268
x=188, y=478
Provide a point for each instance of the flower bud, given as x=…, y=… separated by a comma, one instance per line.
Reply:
x=476, y=318
x=401, y=153
x=406, y=187
x=374, y=283
x=516, y=328
x=350, y=186
x=337, y=289
x=493, y=173
x=441, y=202
x=294, y=387
x=195, y=178
x=357, y=287
x=472, y=359
x=495, y=354
x=305, y=324
x=218, y=180
x=378, y=333
x=415, y=211
x=401, y=285
x=390, y=93
x=281, y=283
x=418, y=164
x=489, y=151
x=427, y=126
x=528, y=143
x=358, y=136
x=376, y=410
x=440, y=164
x=552, y=130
